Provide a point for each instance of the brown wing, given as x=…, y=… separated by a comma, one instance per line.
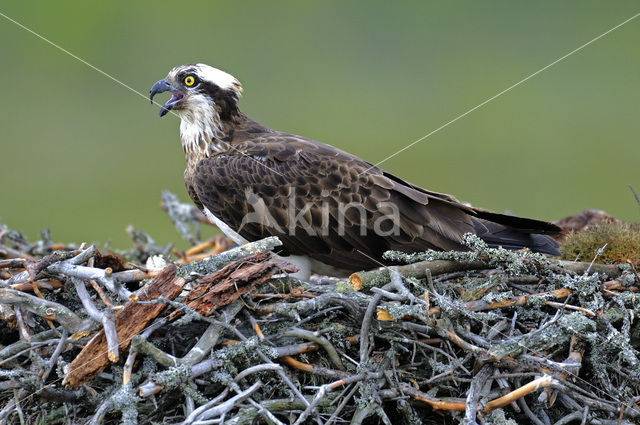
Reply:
x=323, y=202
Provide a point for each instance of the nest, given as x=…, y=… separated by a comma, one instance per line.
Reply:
x=144, y=336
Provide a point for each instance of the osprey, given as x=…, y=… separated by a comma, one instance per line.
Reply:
x=329, y=208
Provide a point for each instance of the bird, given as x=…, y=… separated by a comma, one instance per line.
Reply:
x=334, y=212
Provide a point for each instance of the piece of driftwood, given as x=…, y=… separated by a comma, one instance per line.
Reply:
x=234, y=280
x=129, y=321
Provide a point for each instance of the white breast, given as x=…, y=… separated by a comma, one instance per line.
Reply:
x=306, y=265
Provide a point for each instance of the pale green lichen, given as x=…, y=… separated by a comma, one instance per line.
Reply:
x=12, y=237
x=226, y=379
x=582, y=284
x=457, y=310
x=417, y=285
x=173, y=377
x=497, y=296
x=537, y=341
x=498, y=417
x=539, y=301
x=397, y=311
x=430, y=255
x=144, y=246
x=190, y=390
x=628, y=278
x=125, y=401
x=437, y=366
x=577, y=324
x=343, y=287
x=409, y=414
x=512, y=262
x=235, y=357
x=611, y=359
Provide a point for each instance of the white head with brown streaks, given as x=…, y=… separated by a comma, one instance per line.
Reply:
x=203, y=97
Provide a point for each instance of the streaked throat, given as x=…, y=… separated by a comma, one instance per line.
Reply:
x=200, y=131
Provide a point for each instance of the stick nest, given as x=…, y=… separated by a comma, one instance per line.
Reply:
x=147, y=336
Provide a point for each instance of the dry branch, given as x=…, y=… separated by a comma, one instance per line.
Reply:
x=44, y=308
x=129, y=321
x=369, y=279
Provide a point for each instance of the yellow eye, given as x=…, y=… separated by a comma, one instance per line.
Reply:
x=189, y=80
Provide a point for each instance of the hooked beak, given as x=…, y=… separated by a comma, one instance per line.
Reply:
x=161, y=87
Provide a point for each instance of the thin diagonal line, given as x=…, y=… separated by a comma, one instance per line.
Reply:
x=118, y=81
x=504, y=91
x=74, y=56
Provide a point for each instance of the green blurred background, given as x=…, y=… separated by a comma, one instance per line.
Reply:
x=85, y=156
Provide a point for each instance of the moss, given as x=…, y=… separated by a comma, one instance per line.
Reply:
x=622, y=239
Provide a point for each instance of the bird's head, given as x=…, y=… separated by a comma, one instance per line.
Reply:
x=196, y=88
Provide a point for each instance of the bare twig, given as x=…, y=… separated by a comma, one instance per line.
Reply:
x=108, y=323
x=47, y=309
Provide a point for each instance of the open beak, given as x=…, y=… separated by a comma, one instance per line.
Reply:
x=161, y=87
